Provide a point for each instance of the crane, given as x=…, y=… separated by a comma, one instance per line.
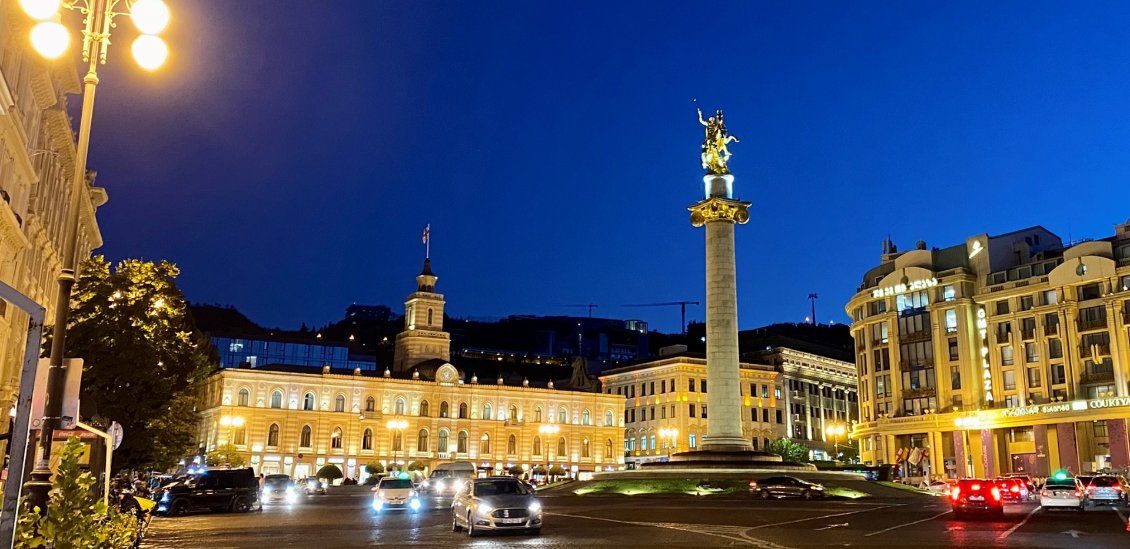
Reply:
x=589, y=306
x=682, y=308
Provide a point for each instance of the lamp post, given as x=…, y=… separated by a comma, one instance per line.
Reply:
x=669, y=436
x=232, y=423
x=50, y=38
x=547, y=429
x=836, y=431
x=397, y=426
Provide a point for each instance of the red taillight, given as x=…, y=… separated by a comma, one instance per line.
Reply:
x=752, y=485
x=954, y=493
x=1015, y=488
x=975, y=487
x=996, y=493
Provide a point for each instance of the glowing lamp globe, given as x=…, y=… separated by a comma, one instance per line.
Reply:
x=149, y=51
x=150, y=16
x=50, y=39
x=40, y=10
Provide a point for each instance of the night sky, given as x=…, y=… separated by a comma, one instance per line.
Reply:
x=290, y=153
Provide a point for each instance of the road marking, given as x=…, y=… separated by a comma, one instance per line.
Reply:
x=1120, y=515
x=877, y=532
x=823, y=517
x=1017, y=526
x=830, y=526
x=1072, y=533
x=708, y=529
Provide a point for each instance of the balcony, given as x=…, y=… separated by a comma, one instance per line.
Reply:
x=922, y=335
x=1094, y=351
x=907, y=366
x=921, y=392
x=1093, y=324
x=1094, y=378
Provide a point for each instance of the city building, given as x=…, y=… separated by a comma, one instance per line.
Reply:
x=785, y=393
x=37, y=160
x=287, y=419
x=1000, y=354
x=369, y=313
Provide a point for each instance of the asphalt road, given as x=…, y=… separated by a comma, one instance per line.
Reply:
x=344, y=520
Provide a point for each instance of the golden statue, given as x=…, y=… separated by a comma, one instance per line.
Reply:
x=715, y=153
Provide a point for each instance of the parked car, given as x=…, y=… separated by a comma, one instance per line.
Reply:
x=216, y=490
x=942, y=487
x=1105, y=490
x=980, y=496
x=1062, y=493
x=785, y=487
x=278, y=488
x=311, y=486
x=495, y=503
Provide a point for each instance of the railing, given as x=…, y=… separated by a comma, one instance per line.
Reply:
x=1092, y=324
x=1094, y=351
x=920, y=392
x=921, y=335
x=1097, y=377
x=906, y=365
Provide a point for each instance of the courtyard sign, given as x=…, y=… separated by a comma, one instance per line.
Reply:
x=1074, y=406
x=912, y=286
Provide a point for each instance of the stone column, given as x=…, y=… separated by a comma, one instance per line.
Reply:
x=719, y=212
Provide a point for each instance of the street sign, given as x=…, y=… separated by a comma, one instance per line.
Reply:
x=115, y=431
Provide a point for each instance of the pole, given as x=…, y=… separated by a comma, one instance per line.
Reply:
x=39, y=485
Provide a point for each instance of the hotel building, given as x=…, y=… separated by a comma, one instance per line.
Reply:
x=1000, y=354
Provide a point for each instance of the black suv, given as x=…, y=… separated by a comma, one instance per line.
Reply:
x=216, y=490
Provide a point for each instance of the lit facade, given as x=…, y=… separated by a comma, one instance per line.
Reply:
x=37, y=157
x=1002, y=354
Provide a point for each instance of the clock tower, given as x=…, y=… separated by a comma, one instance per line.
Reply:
x=423, y=337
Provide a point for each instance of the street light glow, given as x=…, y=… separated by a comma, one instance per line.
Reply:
x=150, y=51
x=50, y=39
x=40, y=10
x=150, y=16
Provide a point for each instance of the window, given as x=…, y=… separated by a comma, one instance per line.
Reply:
x=537, y=446
x=1092, y=317
x=1009, y=380
x=1025, y=302
x=240, y=435
x=652, y=442
x=608, y=418
x=587, y=420
x=276, y=399
x=429, y=317
x=653, y=387
x=367, y=440
x=1028, y=328
x=662, y=386
x=339, y=403
x=444, y=409
x=1100, y=428
x=273, y=435
x=1124, y=282
x=702, y=385
x=397, y=441
x=1031, y=351
x=304, y=439
x=335, y=438
x=399, y=407
x=912, y=300
x=653, y=413
x=561, y=451
x=948, y=293
x=693, y=442
x=780, y=417
x=488, y=411
x=879, y=333
x=703, y=411
x=1055, y=348
x=764, y=391
x=951, y=321
x=632, y=415
x=1011, y=401
x=1002, y=307
x=1050, y=297
x=955, y=377
x=662, y=412
x=1033, y=377
x=608, y=449
x=425, y=409
x=1089, y=291
x=461, y=442
x=953, y=349
x=1059, y=375
x=882, y=361
x=370, y=404
x=691, y=408
x=512, y=415
x=883, y=386
x=463, y=411
x=484, y=444
x=422, y=441
x=308, y=401
x=690, y=385
x=777, y=392
x=586, y=450
x=643, y=389
x=442, y=445
x=244, y=397
x=1006, y=355
x=562, y=415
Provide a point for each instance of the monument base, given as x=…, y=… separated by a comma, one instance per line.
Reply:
x=726, y=444
x=720, y=459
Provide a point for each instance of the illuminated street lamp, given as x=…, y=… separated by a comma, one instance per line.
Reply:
x=836, y=430
x=669, y=436
x=50, y=38
x=397, y=426
x=232, y=423
x=548, y=429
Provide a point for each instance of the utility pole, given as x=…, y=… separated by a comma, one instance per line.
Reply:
x=812, y=297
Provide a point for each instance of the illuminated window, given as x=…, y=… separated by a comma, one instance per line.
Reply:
x=537, y=414
x=562, y=415
x=586, y=419
x=442, y=445
x=335, y=438
x=244, y=397
x=424, y=409
x=461, y=442
x=444, y=409
x=304, y=439
x=951, y=321
x=608, y=418
x=422, y=441
x=370, y=404
x=537, y=446
x=948, y=293
x=339, y=403
x=273, y=435
x=367, y=440
x=240, y=435
x=308, y=401
x=512, y=445
x=1009, y=380
x=693, y=442
x=484, y=444
x=399, y=407
x=512, y=415
x=586, y=450
x=488, y=411
x=276, y=399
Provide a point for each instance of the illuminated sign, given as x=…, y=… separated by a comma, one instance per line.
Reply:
x=900, y=288
x=1073, y=406
x=1031, y=410
x=977, y=248
x=986, y=370
x=1108, y=402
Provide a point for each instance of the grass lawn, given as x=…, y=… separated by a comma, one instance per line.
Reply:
x=908, y=488
x=632, y=487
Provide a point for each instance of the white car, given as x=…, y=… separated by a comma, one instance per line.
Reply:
x=395, y=493
x=1062, y=493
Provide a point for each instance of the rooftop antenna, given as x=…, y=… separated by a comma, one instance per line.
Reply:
x=812, y=297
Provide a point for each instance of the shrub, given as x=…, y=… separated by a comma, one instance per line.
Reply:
x=417, y=466
x=330, y=472
x=516, y=470
x=226, y=455
x=374, y=468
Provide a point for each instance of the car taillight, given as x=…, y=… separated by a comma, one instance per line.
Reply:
x=1015, y=489
x=955, y=492
x=1078, y=494
x=975, y=487
x=752, y=485
x=996, y=493
x=1043, y=493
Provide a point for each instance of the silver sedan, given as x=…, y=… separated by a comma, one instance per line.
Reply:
x=495, y=504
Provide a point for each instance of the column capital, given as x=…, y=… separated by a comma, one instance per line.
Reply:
x=719, y=209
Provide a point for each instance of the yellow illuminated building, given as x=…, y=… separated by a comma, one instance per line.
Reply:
x=1002, y=354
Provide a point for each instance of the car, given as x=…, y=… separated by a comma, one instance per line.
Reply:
x=785, y=487
x=215, y=489
x=278, y=488
x=311, y=486
x=942, y=487
x=1028, y=483
x=495, y=504
x=395, y=493
x=1105, y=490
x=980, y=496
x=445, y=481
x=1062, y=492
x=1012, y=490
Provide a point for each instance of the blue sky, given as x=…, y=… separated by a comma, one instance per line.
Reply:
x=290, y=153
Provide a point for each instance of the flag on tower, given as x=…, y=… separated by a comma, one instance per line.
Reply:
x=427, y=233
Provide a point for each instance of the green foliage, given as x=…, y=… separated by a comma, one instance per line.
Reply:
x=76, y=517
x=556, y=470
x=515, y=470
x=538, y=470
x=374, y=468
x=226, y=456
x=330, y=472
x=417, y=466
x=143, y=358
x=789, y=450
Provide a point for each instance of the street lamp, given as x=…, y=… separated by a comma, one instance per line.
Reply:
x=548, y=429
x=50, y=38
x=232, y=423
x=669, y=436
x=836, y=431
x=397, y=426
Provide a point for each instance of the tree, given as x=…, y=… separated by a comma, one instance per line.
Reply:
x=790, y=450
x=225, y=455
x=417, y=466
x=515, y=470
x=330, y=472
x=143, y=358
x=556, y=471
x=374, y=468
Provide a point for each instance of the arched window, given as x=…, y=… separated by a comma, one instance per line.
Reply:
x=335, y=438
x=444, y=409
x=240, y=435
x=462, y=410
x=512, y=445
x=586, y=451
x=399, y=409
x=276, y=399
x=537, y=414
x=562, y=415
x=442, y=445
x=561, y=451
x=397, y=441
x=273, y=435
x=652, y=442
x=462, y=443
x=370, y=404
x=429, y=316
x=307, y=434
x=422, y=441
x=488, y=411
x=608, y=418
x=484, y=444
x=244, y=397
x=537, y=446
x=608, y=449
x=308, y=401
x=424, y=409
x=367, y=440
x=339, y=403
x=586, y=418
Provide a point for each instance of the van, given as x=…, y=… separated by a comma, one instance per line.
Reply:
x=446, y=479
x=216, y=490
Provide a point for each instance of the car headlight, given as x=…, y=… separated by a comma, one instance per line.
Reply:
x=441, y=486
x=165, y=497
x=485, y=508
x=535, y=507
x=414, y=504
x=381, y=493
x=426, y=483
x=290, y=490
